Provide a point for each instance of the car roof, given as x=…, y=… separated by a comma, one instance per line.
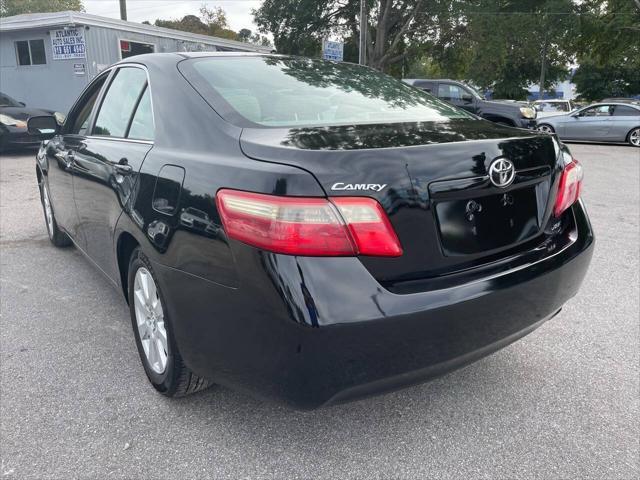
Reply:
x=431, y=80
x=172, y=58
x=625, y=104
x=227, y=54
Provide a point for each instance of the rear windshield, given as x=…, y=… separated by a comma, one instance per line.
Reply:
x=275, y=91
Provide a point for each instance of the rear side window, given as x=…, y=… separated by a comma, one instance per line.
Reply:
x=120, y=101
x=624, y=111
x=450, y=92
x=291, y=92
x=426, y=86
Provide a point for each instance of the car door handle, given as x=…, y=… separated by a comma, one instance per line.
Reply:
x=65, y=157
x=123, y=167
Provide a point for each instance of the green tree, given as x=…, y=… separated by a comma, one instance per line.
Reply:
x=502, y=44
x=298, y=26
x=9, y=8
x=213, y=22
x=595, y=82
x=513, y=43
x=609, y=49
x=244, y=34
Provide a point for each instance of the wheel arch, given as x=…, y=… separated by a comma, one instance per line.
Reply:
x=626, y=137
x=547, y=124
x=125, y=246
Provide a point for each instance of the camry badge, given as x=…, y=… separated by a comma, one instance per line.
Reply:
x=502, y=172
x=376, y=187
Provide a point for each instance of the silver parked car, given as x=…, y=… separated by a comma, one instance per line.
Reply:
x=601, y=122
x=553, y=107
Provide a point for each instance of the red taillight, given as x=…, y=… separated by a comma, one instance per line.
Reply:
x=344, y=226
x=569, y=187
x=369, y=226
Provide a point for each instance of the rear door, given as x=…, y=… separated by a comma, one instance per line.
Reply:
x=109, y=160
x=624, y=119
x=61, y=159
x=592, y=123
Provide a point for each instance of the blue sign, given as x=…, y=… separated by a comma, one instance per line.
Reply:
x=332, y=50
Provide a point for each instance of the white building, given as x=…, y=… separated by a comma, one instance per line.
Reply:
x=46, y=59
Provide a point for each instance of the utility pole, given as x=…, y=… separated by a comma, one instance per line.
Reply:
x=362, y=58
x=543, y=66
x=123, y=9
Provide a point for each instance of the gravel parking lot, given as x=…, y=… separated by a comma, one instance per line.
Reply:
x=75, y=403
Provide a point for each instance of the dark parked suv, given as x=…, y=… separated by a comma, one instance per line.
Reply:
x=506, y=112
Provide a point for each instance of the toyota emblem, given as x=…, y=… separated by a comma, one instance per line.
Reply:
x=502, y=172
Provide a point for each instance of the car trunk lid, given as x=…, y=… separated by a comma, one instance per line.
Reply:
x=432, y=179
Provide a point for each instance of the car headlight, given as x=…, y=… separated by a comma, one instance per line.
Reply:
x=12, y=122
x=60, y=117
x=528, y=112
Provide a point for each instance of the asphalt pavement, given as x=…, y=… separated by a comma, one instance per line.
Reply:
x=74, y=401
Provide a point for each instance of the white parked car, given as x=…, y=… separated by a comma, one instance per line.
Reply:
x=548, y=108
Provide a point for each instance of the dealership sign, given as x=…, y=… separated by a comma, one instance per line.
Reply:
x=68, y=43
x=332, y=50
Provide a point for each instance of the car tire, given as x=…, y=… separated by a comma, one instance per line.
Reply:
x=634, y=137
x=151, y=324
x=546, y=128
x=57, y=236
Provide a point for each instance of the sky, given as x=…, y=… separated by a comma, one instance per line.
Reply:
x=238, y=11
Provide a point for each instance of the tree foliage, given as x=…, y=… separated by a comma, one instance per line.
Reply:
x=213, y=22
x=595, y=82
x=505, y=45
x=298, y=26
x=608, y=49
x=9, y=8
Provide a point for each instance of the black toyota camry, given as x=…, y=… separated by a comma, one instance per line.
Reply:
x=309, y=231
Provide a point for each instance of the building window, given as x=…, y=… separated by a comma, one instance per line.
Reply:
x=31, y=52
x=129, y=48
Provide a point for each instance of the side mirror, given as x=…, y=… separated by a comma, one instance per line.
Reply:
x=467, y=98
x=45, y=126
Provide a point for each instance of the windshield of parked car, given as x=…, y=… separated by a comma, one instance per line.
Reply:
x=283, y=91
x=7, y=101
x=475, y=92
x=552, y=107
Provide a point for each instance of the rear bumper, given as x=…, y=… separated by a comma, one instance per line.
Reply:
x=311, y=331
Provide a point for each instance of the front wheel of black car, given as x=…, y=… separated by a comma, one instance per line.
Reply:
x=153, y=333
x=634, y=137
x=57, y=236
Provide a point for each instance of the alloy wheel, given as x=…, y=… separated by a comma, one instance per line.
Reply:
x=545, y=129
x=634, y=138
x=150, y=320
